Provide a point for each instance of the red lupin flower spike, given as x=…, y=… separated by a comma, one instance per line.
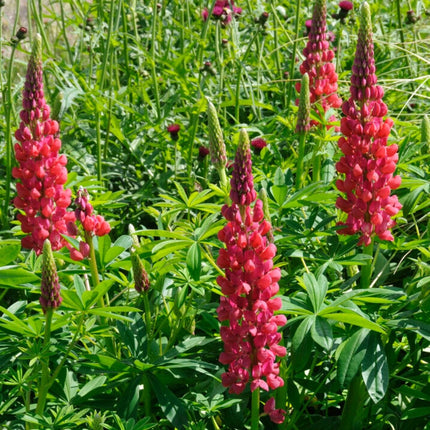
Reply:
x=318, y=63
x=42, y=171
x=368, y=163
x=250, y=336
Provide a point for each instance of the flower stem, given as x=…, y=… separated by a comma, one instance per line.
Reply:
x=153, y=70
x=255, y=409
x=8, y=112
x=299, y=173
x=293, y=55
x=366, y=270
x=43, y=383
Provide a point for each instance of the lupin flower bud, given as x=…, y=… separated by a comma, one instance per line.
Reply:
x=56, y=113
x=368, y=163
x=318, y=63
x=141, y=281
x=304, y=112
x=42, y=171
x=140, y=276
x=50, y=287
x=216, y=139
x=250, y=336
x=242, y=186
x=425, y=131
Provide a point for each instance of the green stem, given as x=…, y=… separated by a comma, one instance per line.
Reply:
x=99, y=144
x=255, y=409
x=293, y=55
x=153, y=69
x=366, y=270
x=53, y=378
x=353, y=411
x=239, y=77
x=41, y=29
x=43, y=383
x=8, y=112
x=66, y=40
x=299, y=173
x=147, y=315
x=146, y=395
x=93, y=264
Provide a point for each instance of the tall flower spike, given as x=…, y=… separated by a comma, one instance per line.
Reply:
x=368, y=163
x=249, y=330
x=50, y=287
x=318, y=63
x=42, y=171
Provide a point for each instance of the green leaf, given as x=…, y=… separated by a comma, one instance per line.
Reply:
x=9, y=250
x=194, y=261
x=351, y=356
x=15, y=275
x=95, y=383
x=279, y=193
x=374, y=368
x=102, y=244
x=15, y=324
x=79, y=285
x=317, y=289
x=172, y=407
x=302, y=330
x=322, y=333
x=412, y=413
x=351, y=317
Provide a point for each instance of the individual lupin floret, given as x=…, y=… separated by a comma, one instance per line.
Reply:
x=368, y=163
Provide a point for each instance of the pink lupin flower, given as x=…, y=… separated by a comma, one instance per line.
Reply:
x=318, y=63
x=41, y=197
x=223, y=10
x=92, y=225
x=368, y=163
x=250, y=336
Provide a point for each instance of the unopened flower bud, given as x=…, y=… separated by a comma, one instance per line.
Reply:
x=50, y=286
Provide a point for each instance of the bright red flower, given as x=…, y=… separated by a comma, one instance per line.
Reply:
x=251, y=340
x=368, y=163
x=41, y=197
x=318, y=63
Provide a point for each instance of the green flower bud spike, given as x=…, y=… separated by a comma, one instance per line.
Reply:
x=50, y=287
x=304, y=112
x=57, y=108
x=303, y=126
x=216, y=144
x=425, y=133
x=141, y=280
